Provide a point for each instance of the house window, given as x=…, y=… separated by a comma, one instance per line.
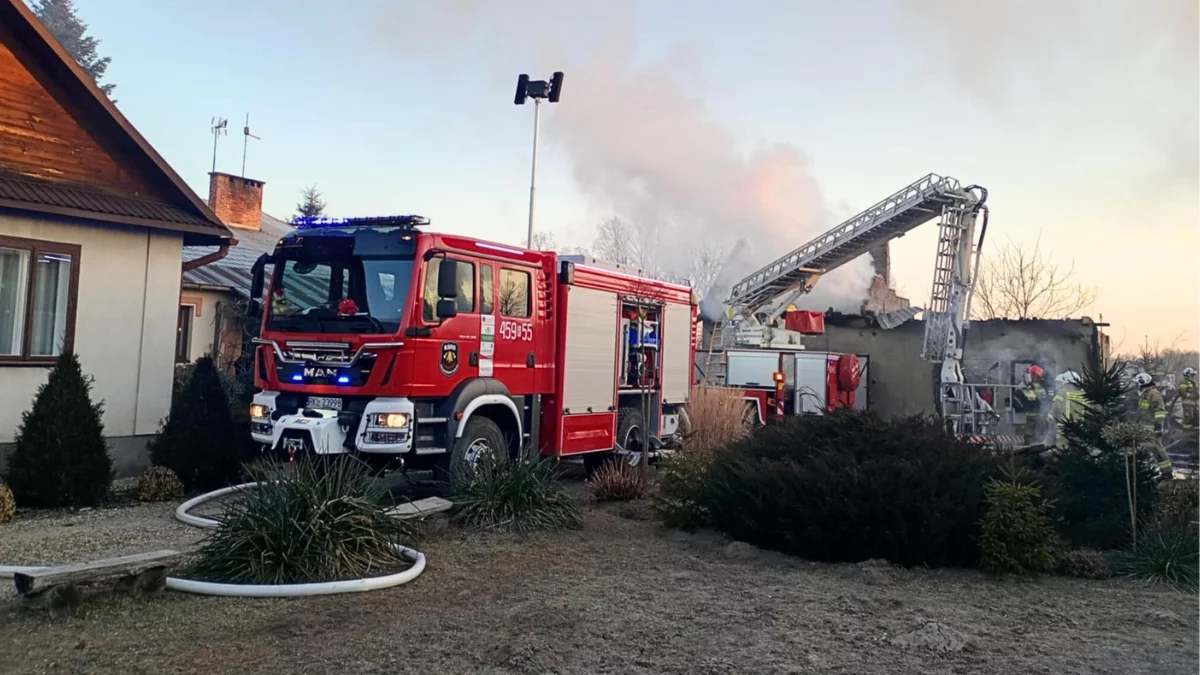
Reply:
x=39, y=281
x=183, y=334
x=514, y=294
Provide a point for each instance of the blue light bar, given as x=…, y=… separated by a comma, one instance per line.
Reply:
x=410, y=221
x=297, y=378
x=344, y=379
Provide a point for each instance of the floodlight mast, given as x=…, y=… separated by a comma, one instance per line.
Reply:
x=537, y=90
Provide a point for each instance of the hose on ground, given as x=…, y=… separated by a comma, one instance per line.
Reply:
x=266, y=590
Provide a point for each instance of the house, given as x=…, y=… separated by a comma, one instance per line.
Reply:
x=216, y=284
x=92, y=228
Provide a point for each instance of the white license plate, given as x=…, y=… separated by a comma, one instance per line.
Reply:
x=324, y=403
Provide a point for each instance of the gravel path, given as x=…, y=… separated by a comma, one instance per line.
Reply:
x=619, y=596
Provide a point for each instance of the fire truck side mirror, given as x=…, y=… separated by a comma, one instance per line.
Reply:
x=447, y=283
x=446, y=309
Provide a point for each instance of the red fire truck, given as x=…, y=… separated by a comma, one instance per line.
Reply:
x=423, y=349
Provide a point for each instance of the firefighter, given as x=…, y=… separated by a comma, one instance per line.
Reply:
x=1068, y=402
x=1152, y=415
x=1033, y=396
x=1187, y=397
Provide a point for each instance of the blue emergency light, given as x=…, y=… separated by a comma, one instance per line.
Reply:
x=344, y=379
x=409, y=221
x=297, y=378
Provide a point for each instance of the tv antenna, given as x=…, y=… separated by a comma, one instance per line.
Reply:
x=246, y=136
x=218, y=126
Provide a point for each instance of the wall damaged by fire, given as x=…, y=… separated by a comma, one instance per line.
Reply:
x=902, y=383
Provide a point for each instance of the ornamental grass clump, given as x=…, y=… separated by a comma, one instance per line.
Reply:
x=513, y=496
x=322, y=520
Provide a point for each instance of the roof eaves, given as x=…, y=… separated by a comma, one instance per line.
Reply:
x=28, y=29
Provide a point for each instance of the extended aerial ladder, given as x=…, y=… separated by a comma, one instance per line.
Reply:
x=758, y=301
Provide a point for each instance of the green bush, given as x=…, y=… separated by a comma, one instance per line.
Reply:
x=199, y=441
x=1084, y=563
x=618, y=481
x=1168, y=555
x=680, y=500
x=237, y=390
x=1016, y=535
x=324, y=520
x=1087, y=478
x=850, y=486
x=61, y=457
x=516, y=496
x=1178, y=504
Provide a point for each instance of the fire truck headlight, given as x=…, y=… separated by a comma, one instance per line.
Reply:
x=259, y=411
x=389, y=420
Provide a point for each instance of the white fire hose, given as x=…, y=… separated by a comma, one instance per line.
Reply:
x=267, y=590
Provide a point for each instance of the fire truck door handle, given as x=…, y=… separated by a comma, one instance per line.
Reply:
x=529, y=360
x=474, y=359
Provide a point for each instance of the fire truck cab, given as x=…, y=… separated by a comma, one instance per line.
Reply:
x=424, y=349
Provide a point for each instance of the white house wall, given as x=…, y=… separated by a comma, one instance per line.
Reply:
x=126, y=313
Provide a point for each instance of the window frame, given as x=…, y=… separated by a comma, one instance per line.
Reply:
x=37, y=247
x=529, y=280
x=430, y=264
x=183, y=349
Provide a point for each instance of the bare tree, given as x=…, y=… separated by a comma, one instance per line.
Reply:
x=544, y=241
x=1164, y=362
x=625, y=243
x=1019, y=282
x=706, y=262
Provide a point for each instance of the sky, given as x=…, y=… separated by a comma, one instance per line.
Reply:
x=712, y=121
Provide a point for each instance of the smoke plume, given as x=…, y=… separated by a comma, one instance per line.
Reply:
x=642, y=145
x=1091, y=64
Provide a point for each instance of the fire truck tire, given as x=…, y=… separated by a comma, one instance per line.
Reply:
x=480, y=435
x=631, y=430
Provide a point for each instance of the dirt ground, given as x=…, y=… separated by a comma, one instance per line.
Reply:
x=621, y=596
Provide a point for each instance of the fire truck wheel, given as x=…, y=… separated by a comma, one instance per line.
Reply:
x=482, y=436
x=631, y=435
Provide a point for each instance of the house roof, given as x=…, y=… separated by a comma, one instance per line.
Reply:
x=173, y=205
x=233, y=271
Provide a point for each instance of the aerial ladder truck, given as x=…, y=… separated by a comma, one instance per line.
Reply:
x=755, y=309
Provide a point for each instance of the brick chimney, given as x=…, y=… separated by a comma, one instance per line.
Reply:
x=237, y=201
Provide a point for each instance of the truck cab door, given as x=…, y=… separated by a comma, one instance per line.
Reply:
x=451, y=351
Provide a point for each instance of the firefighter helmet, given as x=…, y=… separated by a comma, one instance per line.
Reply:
x=1036, y=372
x=1144, y=379
x=1189, y=373
x=1068, y=378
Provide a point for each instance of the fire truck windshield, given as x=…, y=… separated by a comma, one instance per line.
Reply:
x=354, y=294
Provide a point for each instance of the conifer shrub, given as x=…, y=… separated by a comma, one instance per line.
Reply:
x=1016, y=535
x=851, y=486
x=61, y=457
x=199, y=441
x=1087, y=479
